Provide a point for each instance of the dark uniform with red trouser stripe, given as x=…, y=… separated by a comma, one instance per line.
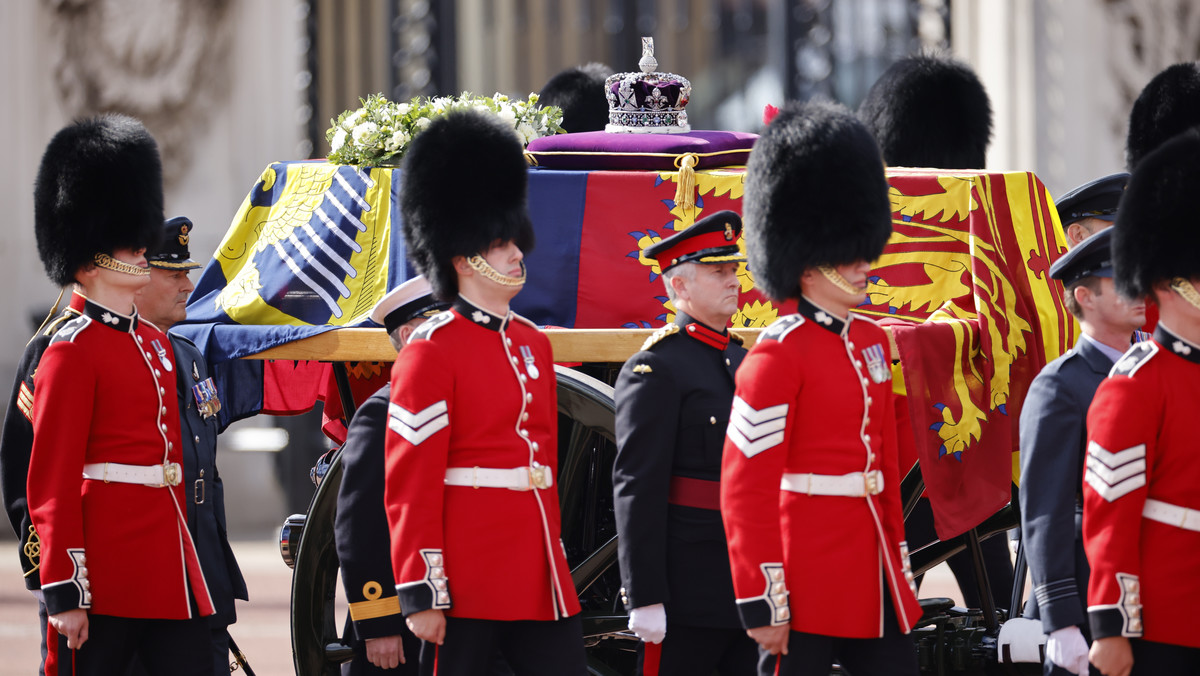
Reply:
x=672, y=407
x=1141, y=506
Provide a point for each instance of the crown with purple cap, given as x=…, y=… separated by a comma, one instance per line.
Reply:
x=648, y=102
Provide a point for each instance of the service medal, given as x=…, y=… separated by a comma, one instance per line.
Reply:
x=877, y=367
x=205, y=394
x=530, y=367
x=162, y=355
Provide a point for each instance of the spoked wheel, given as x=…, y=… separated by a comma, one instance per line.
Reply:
x=586, y=446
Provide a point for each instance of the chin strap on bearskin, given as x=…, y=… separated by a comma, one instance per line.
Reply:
x=481, y=266
x=109, y=263
x=838, y=280
x=1186, y=291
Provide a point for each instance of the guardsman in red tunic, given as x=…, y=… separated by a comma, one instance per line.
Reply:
x=810, y=483
x=376, y=631
x=473, y=423
x=1141, y=508
x=119, y=571
x=672, y=401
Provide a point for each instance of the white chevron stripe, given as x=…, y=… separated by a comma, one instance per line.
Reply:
x=1116, y=475
x=419, y=426
x=752, y=448
x=756, y=415
x=752, y=431
x=1111, y=459
x=1116, y=491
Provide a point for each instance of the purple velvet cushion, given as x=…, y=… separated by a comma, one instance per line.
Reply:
x=601, y=150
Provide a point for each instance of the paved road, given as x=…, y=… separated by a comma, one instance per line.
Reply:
x=262, y=630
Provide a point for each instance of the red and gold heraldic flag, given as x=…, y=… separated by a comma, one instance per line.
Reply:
x=964, y=283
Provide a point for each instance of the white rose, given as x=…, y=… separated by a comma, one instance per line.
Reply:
x=349, y=122
x=506, y=115
x=363, y=130
x=397, y=140
x=339, y=139
x=422, y=123
x=402, y=109
x=526, y=132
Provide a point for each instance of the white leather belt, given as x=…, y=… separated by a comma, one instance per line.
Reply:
x=517, y=478
x=853, y=485
x=167, y=474
x=1172, y=515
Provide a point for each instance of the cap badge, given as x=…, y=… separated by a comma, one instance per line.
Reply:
x=728, y=232
x=162, y=355
x=530, y=367
x=876, y=366
x=183, y=235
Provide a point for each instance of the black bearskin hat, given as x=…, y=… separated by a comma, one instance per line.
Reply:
x=464, y=190
x=99, y=188
x=928, y=111
x=579, y=92
x=1168, y=105
x=1156, y=237
x=815, y=195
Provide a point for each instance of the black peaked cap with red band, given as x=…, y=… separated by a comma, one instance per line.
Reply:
x=712, y=239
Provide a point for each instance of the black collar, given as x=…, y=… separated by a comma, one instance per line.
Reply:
x=822, y=317
x=479, y=316
x=111, y=318
x=1176, y=345
x=701, y=331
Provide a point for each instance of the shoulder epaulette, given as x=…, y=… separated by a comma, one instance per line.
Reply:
x=735, y=338
x=779, y=328
x=425, y=331
x=668, y=330
x=1134, y=357
x=70, y=329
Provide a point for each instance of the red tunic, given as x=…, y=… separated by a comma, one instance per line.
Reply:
x=1142, y=445
x=106, y=393
x=474, y=389
x=814, y=396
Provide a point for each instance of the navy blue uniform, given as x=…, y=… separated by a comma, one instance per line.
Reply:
x=672, y=407
x=361, y=535
x=1053, y=443
x=206, y=499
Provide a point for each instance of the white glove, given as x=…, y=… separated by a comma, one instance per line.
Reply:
x=1067, y=648
x=650, y=623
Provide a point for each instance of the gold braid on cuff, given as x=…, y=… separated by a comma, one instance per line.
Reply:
x=1186, y=291
x=839, y=281
x=108, y=262
x=481, y=266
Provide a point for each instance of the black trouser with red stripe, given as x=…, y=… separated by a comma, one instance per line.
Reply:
x=893, y=654
x=164, y=648
x=687, y=651
x=531, y=647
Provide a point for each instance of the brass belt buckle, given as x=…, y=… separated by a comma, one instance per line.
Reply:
x=538, y=476
x=171, y=473
x=870, y=483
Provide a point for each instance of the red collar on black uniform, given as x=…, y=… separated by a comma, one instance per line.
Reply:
x=479, y=316
x=110, y=318
x=697, y=330
x=1179, y=346
x=821, y=317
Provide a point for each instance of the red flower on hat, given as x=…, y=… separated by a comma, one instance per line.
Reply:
x=769, y=113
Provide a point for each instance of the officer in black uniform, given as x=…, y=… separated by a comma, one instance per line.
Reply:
x=672, y=406
x=1053, y=444
x=163, y=303
x=16, y=442
x=1091, y=207
x=375, y=629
